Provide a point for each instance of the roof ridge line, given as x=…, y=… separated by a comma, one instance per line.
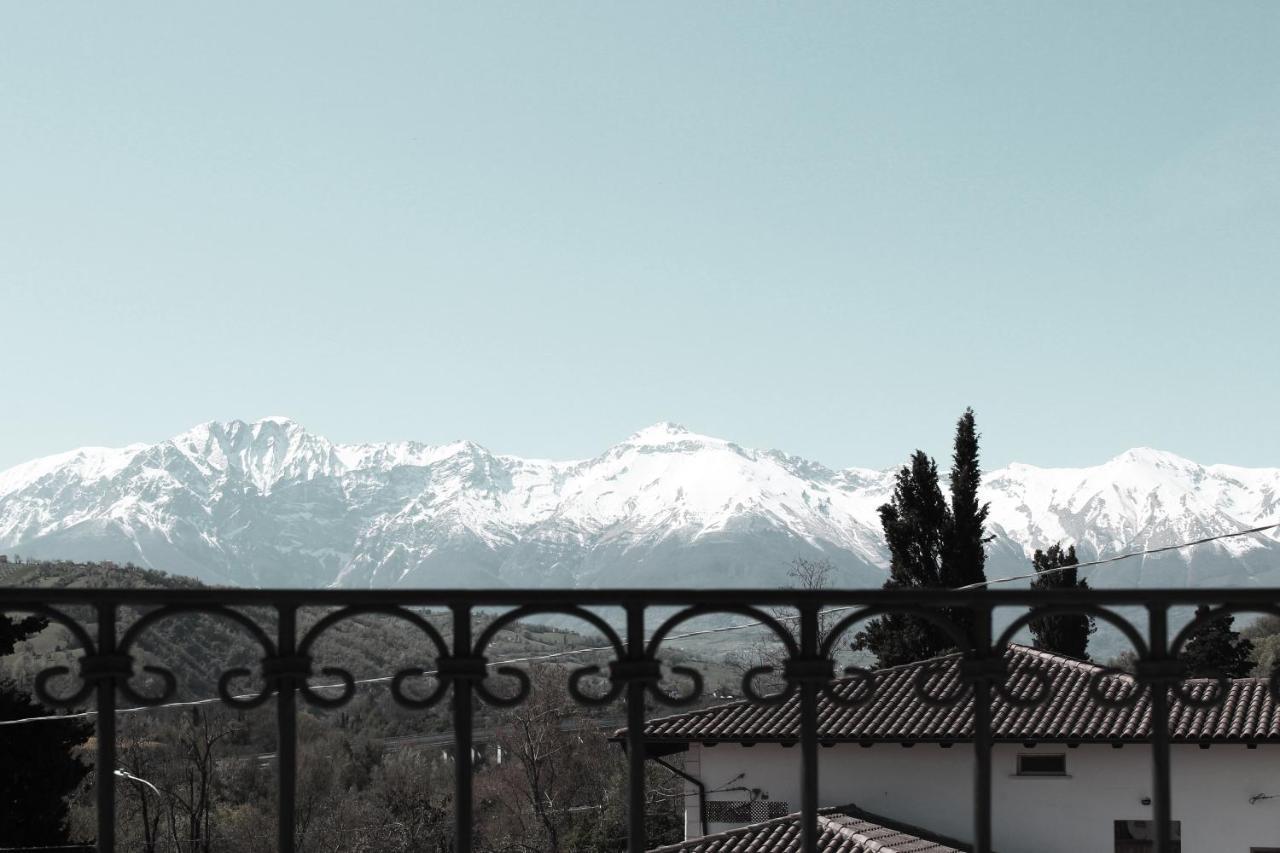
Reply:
x=855, y=812
x=745, y=701
x=843, y=829
x=1063, y=659
x=823, y=814
x=898, y=666
x=1056, y=657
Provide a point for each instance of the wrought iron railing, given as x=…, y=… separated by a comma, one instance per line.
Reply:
x=635, y=673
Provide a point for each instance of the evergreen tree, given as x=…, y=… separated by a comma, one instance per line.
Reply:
x=1067, y=634
x=915, y=522
x=931, y=544
x=964, y=555
x=1216, y=649
x=39, y=770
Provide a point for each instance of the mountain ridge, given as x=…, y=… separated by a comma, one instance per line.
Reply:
x=270, y=503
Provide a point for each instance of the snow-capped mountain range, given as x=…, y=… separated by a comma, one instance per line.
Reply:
x=270, y=504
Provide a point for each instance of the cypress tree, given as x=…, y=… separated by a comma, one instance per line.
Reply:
x=915, y=522
x=1217, y=649
x=964, y=557
x=931, y=544
x=1066, y=634
x=39, y=770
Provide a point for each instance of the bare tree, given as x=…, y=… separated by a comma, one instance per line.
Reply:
x=411, y=801
x=806, y=573
x=189, y=779
x=555, y=770
x=803, y=573
x=141, y=804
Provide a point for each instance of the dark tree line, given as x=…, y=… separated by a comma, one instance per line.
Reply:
x=40, y=769
x=936, y=542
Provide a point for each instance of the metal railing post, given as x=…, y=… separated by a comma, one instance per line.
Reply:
x=1159, y=687
x=463, y=736
x=809, y=730
x=982, y=738
x=635, y=731
x=286, y=728
x=105, y=769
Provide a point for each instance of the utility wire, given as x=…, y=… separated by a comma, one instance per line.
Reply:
x=1118, y=557
x=701, y=633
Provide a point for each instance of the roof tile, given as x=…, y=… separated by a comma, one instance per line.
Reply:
x=842, y=830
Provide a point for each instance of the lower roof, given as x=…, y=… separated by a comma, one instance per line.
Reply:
x=841, y=830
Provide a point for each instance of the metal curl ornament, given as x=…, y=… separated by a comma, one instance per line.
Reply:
x=695, y=677
x=1107, y=676
x=53, y=700
x=867, y=677
x=1101, y=679
x=936, y=671
x=696, y=687
x=819, y=671
x=406, y=700
x=1171, y=675
x=1131, y=633
x=862, y=680
x=312, y=693
x=576, y=676
x=949, y=628
x=41, y=686
x=524, y=686
x=1183, y=689
x=749, y=688
x=71, y=624
x=584, y=698
x=167, y=691
x=1042, y=692
x=241, y=701
x=170, y=682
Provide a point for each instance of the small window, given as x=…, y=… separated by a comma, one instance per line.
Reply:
x=1042, y=765
x=1139, y=836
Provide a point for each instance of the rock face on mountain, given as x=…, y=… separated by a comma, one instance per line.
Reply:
x=268, y=503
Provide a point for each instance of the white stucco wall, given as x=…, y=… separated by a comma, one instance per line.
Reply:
x=932, y=787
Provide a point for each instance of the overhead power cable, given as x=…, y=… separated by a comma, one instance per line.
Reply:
x=684, y=636
x=1118, y=557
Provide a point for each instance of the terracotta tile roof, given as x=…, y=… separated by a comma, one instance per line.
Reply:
x=843, y=830
x=897, y=713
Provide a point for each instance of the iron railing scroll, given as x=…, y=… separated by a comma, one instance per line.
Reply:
x=636, y=674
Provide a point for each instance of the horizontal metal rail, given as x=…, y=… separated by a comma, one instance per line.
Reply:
x=771, y=597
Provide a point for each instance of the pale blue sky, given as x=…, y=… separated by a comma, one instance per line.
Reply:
x=820, y=227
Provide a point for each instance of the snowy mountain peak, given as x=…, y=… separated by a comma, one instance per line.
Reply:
x=85, y=464
x=1149, y=456
x=663, y=432
x=267, y=502
x=258, y=453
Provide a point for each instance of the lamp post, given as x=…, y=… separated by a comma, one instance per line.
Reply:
x=141, y=783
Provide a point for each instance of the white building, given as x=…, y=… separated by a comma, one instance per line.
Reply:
x=1069, y=774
